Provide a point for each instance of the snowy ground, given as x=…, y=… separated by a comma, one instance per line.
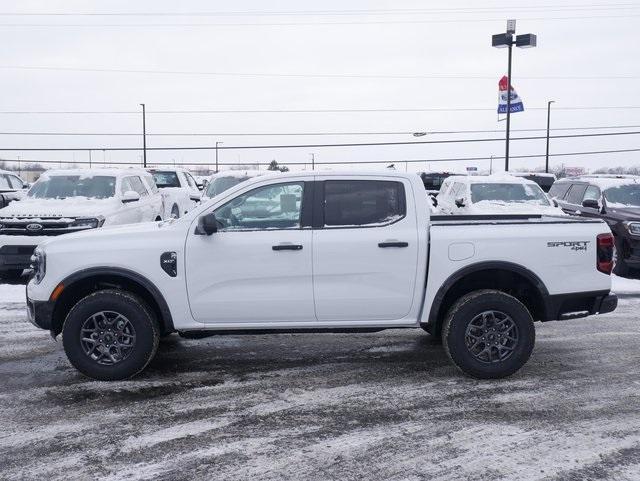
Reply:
x=358, y=406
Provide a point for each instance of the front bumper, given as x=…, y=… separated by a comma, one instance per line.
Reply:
x=40, y=313
x=573, y=306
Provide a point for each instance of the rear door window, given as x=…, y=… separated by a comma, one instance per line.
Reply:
x=361, y=203
x=576, y=193
x=559, y=190
x=15, y=182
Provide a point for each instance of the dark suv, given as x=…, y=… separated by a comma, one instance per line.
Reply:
x=614, y=199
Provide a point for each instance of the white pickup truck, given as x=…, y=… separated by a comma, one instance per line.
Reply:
x=320, y=252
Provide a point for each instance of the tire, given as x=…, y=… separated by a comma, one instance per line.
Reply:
x=175, y=211
x=488, y=346
x=108, y=316
x=11, y=274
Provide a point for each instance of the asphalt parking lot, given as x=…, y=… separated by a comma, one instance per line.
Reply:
x=331, y=406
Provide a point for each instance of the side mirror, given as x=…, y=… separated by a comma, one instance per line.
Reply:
x=460, y=202
x=200, y=185
x=130, y=196
x=207, y=224
x=195, y=197
x=434, y=200
x=27, y=185
x=591, y=204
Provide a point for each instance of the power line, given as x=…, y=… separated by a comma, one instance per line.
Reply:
x=299, y=146
x=456, y=76
x=448, y=159
x=296, y=24
x=306, y=134
x=401, y=11
x=296, y=111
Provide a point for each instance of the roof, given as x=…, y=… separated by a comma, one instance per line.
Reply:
x=537, y=174
x=498, y=178
x=604, y=181
x=95, y=172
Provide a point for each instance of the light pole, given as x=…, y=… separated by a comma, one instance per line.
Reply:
x=217, y=155
x=313, y=161
x=509, y=39
x=546, y=163
x=144, y=137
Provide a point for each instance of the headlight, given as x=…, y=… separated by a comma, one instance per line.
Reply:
x=38, y=264
x=89, y=222
x=633, y=228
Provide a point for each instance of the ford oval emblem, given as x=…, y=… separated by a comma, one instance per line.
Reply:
x=34, y=227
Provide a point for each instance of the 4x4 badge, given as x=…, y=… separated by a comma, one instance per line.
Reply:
x=573, y=245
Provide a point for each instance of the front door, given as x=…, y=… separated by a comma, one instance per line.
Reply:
x=257, y=267
x=365, y=250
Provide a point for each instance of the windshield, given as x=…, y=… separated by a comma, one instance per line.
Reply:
x=166, y=178
x=627, y=195
x=63, y=186
x=220, y=184
x=519, y=193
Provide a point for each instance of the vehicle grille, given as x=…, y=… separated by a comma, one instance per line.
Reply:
x=40, y=226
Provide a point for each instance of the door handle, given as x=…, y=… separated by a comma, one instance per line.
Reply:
x=393, y=244
x=287, y=247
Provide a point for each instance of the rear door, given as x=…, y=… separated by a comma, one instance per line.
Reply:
x=365, y=249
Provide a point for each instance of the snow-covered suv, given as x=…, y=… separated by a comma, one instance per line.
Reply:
x=65, y=201
x=221, y=181
x=493, y=194
x=320, y=251
x=179, y=189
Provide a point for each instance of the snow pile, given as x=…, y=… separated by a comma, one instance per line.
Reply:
x=622, y=285
x=12, y=293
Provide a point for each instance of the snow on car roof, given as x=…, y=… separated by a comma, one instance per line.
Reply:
x=604, y=182
x=497, y=178
x=85, y=173
x=537, y=174
x=242, y=173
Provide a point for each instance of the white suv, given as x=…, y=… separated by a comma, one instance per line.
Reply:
x=65, y=201
x=179, y=189
x=493, y=194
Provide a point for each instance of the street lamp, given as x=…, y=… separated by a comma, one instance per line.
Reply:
x=144, y=136
x=509, y=39
x=546, y=163
x=217, y=154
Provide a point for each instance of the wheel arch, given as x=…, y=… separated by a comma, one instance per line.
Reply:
x=84, y=282
x=507, y=277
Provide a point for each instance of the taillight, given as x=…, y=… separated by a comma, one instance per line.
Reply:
x=604, y=261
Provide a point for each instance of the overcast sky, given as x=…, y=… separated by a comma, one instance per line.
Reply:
x=368, y=55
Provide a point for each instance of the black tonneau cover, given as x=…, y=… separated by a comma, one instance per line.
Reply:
x=509, y=219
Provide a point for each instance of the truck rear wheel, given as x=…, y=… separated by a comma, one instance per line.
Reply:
x=488, y=334
x=110, y=335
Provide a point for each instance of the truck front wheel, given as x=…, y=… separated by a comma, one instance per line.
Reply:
x=488, y=334
x=110, y=335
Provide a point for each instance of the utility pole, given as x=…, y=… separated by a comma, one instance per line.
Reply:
x=217, y=154
x=144, y=137
x=313, y=161
x=546, y=163
x=89, y=158
x=491, y=165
